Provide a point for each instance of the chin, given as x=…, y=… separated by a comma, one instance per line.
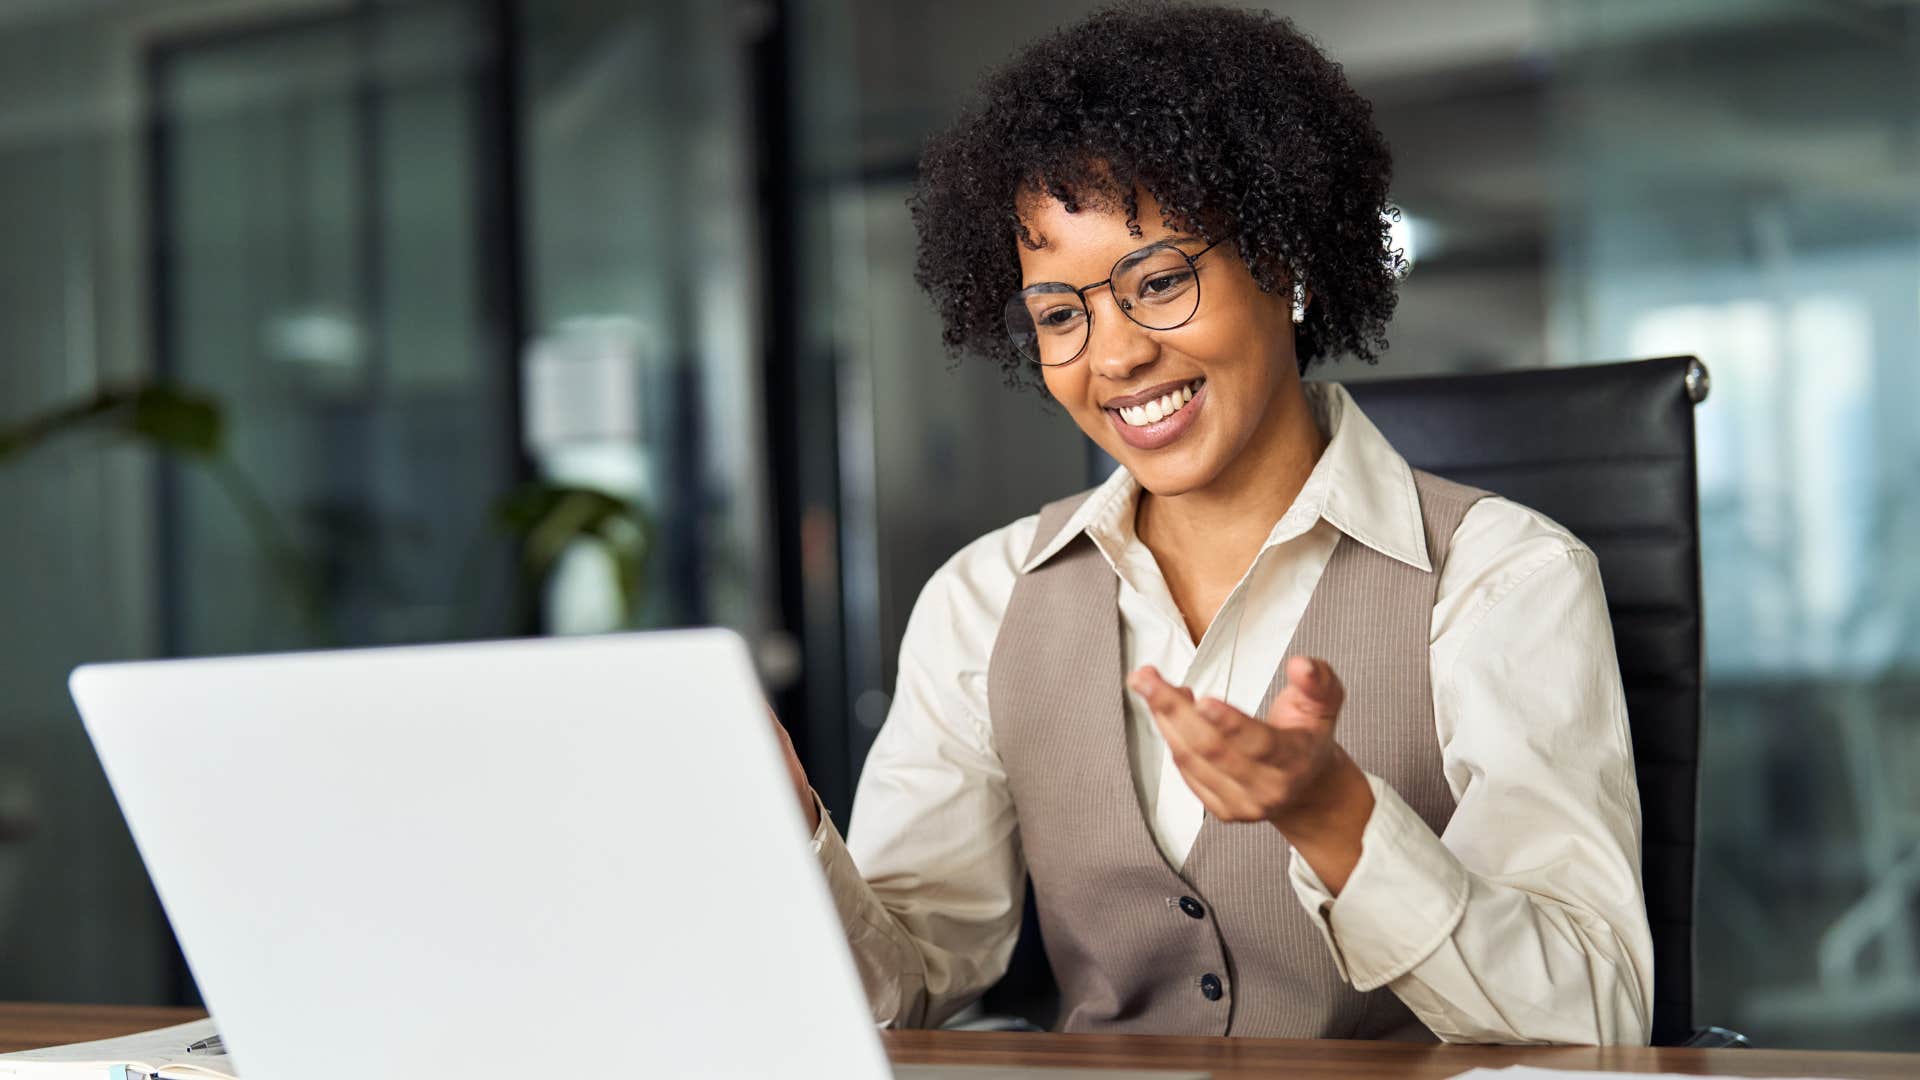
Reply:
x=1170, y=476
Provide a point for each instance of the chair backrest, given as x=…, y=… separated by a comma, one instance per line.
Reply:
x=1608, y=452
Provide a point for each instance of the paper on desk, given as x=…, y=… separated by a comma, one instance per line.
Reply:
x=161, y=1053
x=1536, y=1073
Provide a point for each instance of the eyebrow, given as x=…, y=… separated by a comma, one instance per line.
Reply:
x=1176, y=238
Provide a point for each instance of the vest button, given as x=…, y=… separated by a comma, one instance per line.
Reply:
x=1210, y=986
x=1192, y=907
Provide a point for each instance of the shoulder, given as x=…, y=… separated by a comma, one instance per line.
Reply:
x=1496, y=528
x=1499, y=545
x=951, y=632
x=971, y=589
x=978, y=581
x=1521, y=632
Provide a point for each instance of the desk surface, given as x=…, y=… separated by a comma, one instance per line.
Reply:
x=26, y=1026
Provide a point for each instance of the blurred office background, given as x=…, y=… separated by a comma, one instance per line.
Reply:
x=431, y=259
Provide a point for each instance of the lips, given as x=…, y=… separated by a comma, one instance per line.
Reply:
x=1156, y=418
x=1150, y=408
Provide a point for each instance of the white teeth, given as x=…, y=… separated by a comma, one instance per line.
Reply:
x=1160, y=408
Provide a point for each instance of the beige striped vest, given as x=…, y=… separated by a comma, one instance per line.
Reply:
x=1220, y=944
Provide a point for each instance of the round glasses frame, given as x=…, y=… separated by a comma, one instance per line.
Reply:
x=1126, y=308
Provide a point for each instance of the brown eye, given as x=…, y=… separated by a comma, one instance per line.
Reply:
x=1058, y=318
x=1164, y=286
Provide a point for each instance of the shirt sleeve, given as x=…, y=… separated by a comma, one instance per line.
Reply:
x=1524, y=922
x=930, y=880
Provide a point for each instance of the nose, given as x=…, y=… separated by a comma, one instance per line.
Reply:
x=1116, y=345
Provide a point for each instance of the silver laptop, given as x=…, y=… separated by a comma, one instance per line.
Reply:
x=558, y=857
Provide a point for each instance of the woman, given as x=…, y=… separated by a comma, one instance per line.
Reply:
x=1292, y=739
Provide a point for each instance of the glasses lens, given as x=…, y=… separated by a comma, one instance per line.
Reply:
x=1047, y=323
x=1157, y=288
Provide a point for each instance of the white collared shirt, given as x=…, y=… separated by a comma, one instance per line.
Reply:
x=1523, y=922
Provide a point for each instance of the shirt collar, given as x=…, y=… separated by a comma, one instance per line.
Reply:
x=1361, y=485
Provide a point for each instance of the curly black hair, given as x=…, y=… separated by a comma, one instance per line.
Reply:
x=1233, y=120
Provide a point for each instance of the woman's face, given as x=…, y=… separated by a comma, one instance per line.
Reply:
x=1234, y=356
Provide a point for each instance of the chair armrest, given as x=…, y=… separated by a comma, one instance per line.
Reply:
x=1717, y=1038
x=993, y=1023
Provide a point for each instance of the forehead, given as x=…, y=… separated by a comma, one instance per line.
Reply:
x=1088, y=239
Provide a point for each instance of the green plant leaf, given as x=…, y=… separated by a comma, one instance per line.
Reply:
x=177, y=420
x=546, y=519
x=168, y=418
x=192, y=426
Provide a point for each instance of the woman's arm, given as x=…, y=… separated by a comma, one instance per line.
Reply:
x=1525, y=921
x=929, y=886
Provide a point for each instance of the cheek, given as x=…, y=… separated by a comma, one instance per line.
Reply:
x=1245, y=345
x=1067, y=384
x=1068, y=387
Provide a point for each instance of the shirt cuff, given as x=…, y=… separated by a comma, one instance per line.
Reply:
x=844, y=881
x=849, y=889
x=1403, y=899
x=825, y=829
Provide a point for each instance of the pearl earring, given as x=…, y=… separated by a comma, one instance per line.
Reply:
x=1299, y=301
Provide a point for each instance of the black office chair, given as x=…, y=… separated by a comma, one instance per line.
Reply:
x=1608, y=452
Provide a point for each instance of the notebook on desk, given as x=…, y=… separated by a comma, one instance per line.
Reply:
x=532, y=858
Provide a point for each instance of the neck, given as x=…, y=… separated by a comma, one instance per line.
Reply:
x=1227, y=521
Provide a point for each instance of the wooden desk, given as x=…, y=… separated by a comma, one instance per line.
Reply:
x=1306, y=1059
x=23, y=1027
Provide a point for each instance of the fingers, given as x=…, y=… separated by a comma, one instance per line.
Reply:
x=786, y=741
x=1244, y=769
x=1225, y=809
x=1209, y=726
x=1205, y=782
x=1150, y=684
x=1209, y=772
x=1212, y=744
x=796, y=772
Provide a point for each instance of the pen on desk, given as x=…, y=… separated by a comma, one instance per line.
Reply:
x=211, y=1045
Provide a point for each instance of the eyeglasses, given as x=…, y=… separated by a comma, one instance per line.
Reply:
x=1157, y=287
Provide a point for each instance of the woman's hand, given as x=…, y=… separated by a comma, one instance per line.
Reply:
x=1285, y=770
x=808, y=808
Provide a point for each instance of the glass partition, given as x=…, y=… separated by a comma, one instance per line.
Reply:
x=322, y=244
x=1740, y=183
x=643, y=267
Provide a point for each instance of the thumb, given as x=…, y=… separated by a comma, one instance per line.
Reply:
x=1313, y=691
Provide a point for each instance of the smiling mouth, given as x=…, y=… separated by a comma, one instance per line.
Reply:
x=1159, y=408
